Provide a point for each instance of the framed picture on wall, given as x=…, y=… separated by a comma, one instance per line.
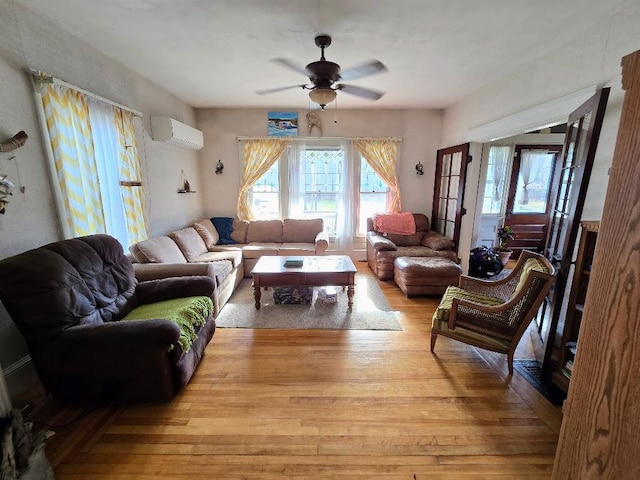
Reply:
x=282, y=124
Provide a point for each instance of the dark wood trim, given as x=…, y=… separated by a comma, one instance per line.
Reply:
x=463, y=149
x=601, y=427
x=596, y=105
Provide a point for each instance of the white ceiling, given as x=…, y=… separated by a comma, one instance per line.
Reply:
x=217, y=52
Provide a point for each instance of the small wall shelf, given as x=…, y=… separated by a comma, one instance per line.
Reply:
x=186, y=191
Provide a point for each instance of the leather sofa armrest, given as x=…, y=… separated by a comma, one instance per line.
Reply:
x=156, y=271
x=379, y=242
x=153, y=291
x=322, y=242
x=99, y=338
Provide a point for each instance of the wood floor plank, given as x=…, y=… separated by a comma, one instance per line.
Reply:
x=309, y=404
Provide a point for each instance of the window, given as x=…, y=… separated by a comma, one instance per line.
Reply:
x=494, y=189
x=97, y=175
x=318, y=181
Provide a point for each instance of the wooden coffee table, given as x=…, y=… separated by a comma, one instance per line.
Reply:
x=316, y=271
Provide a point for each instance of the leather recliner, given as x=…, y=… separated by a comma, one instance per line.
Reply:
x=69, y=299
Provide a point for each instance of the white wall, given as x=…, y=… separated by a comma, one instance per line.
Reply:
x=592, y=58
x=419, y=129
x=30, y=41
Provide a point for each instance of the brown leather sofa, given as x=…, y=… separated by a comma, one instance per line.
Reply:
x=69, y=299
x=384, y=248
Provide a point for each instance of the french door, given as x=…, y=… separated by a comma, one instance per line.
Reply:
x=448, y=194
x=570, y=189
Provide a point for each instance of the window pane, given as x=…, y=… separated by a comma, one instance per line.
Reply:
x=451, y=209
x=531, y=197
x=323, y=184
x=456, y=161
x=265, y=195
x=453, y=187
x=444, y=187
x=446, y=164
x=373, y=195
x=442, y=209
x=451, y=226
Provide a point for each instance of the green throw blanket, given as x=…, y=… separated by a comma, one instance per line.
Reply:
x=188, y=313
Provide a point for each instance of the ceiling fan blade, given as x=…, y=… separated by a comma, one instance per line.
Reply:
x=278, y=89
x=369, y=68
x=360, y=91
x=285, y=62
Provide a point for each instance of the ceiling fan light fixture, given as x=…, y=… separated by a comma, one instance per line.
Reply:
x=322, y=96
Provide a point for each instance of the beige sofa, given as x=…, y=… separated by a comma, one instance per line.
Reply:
x=277, y=237
x=194, y=250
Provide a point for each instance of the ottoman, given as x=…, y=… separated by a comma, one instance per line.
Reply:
x=425, y=275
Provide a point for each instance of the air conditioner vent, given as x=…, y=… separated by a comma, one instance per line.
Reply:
x=173, y=132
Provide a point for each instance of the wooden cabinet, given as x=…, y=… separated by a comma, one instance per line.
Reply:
x=575, y=306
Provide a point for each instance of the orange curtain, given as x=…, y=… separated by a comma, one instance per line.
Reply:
x=259, y=155
x=382, y=154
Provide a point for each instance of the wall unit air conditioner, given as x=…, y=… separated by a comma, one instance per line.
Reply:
x=173, y=132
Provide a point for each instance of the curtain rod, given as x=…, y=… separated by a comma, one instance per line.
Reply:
x=40, y=77
x=300, y=139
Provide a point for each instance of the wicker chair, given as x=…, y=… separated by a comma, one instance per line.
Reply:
x=494, y=314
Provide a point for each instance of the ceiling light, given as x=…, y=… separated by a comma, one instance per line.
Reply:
x=322, y=96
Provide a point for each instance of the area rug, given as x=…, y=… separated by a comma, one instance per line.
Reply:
x=371, y=311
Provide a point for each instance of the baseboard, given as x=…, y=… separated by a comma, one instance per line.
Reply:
x=15, y=366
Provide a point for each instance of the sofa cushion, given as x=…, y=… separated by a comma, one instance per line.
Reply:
x=239, y=232
x=256, y=250
x=221, y=270
x=157, y=250
x=234, y=256
x=224, y=227
x=189, y=242
x=265, y=231
x=442, y=312
x=437, y=241
x=297, y=230
x=299, y=248
x=207, y=231
x=406, y=240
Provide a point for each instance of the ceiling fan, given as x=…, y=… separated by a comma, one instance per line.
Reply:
x=324, y=74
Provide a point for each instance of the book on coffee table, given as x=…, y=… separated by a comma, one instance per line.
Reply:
x=293, y=262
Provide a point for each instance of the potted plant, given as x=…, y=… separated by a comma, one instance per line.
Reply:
x=505, y=233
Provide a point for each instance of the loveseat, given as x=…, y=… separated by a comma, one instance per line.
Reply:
x=95, y=334
x=201, y=249
x=383, y=248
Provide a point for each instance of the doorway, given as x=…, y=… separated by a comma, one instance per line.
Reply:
x=498, y=188
x=528, y=202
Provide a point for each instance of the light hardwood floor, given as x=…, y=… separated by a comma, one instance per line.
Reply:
x=306, y=404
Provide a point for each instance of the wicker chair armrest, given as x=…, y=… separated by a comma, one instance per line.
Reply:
x=495, y=288
x=473, y=312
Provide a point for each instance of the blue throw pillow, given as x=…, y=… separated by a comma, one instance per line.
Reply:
x=224, y=226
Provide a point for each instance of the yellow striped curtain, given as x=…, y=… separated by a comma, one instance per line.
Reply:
x=381, y=154
x=259, y=155
x=67, y=117
x=131, y=186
